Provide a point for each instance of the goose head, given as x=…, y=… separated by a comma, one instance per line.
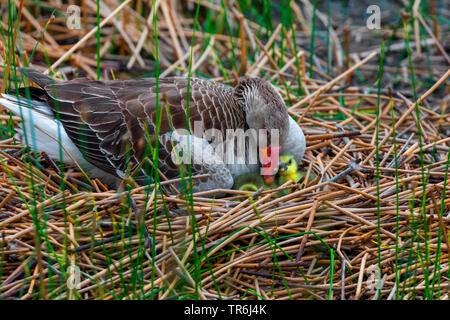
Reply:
x=264, y=110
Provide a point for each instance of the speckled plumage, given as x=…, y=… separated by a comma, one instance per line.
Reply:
x=113, y=124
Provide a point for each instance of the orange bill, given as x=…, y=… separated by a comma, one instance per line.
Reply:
x=269, y=161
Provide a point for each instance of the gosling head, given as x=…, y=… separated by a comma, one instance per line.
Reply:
x=287, y=165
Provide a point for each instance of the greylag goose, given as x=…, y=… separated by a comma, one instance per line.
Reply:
x=109, y=127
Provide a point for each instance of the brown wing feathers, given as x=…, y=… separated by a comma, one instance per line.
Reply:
x=107, y=120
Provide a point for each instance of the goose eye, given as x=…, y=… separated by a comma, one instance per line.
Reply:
x=290, y=161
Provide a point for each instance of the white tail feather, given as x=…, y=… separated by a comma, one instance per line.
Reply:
x=41, y=130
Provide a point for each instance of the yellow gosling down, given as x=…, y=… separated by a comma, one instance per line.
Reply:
x=287, y=170
x=250, y=182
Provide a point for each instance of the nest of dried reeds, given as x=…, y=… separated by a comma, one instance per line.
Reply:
x=374, y=223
